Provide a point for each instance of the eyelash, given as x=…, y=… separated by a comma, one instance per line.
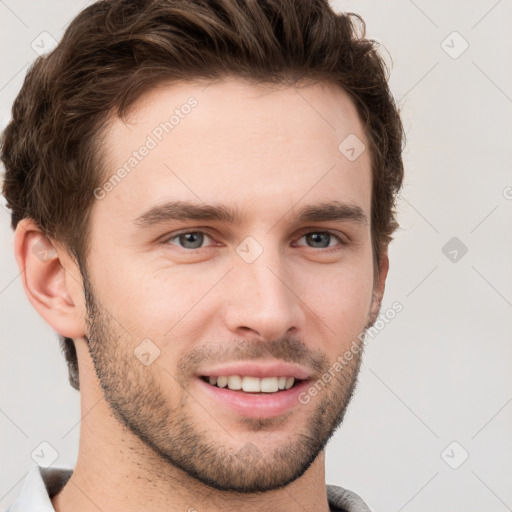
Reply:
x=342, y=242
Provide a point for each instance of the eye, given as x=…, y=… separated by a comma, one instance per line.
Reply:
x=189, y=239
x=321, y=239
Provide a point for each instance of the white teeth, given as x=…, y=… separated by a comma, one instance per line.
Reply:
x=235, y=382
x=222, y=382
x=269, y=385
x=252, y=384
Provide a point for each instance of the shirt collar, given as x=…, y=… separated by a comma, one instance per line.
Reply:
x=40, y=485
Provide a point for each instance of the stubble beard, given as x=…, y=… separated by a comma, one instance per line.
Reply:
x=139, y=402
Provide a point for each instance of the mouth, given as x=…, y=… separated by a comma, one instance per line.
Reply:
x=254, y=389
x=252, y=397
x=253, y=385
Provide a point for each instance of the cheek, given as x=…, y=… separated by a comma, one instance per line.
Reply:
x=346, y=283
x=340, y=298
x=125, y=292
x=160, y=301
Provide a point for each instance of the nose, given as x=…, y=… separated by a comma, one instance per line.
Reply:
x=263, y=298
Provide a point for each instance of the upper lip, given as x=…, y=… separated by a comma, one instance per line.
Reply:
x=253, y=369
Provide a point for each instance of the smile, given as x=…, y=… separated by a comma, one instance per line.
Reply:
x=250, y=384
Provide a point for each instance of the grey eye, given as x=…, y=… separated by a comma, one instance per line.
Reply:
x=318, y=239
x=190, y=240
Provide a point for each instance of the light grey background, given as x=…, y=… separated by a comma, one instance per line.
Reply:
x=440, y=371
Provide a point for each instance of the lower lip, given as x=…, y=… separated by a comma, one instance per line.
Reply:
x=255, y=405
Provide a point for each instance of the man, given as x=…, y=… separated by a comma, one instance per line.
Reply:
x=203, y=197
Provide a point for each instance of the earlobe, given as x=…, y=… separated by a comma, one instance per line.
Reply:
x=51, y=289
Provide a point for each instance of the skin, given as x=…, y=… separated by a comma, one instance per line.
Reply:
x=150, y=438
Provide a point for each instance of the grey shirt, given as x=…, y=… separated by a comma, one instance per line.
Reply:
x=41, y=484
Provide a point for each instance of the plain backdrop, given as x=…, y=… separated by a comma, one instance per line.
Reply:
x=430, y=425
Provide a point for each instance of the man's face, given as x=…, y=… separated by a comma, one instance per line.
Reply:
x=178, y=302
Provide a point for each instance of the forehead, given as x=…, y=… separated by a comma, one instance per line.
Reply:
x=236, y=143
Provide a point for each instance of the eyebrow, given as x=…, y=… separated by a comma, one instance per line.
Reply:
x=184, y=210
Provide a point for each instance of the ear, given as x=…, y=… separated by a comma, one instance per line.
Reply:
x=51, y=280
x=379, y=285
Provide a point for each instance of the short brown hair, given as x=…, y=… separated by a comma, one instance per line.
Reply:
x=115, y=50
